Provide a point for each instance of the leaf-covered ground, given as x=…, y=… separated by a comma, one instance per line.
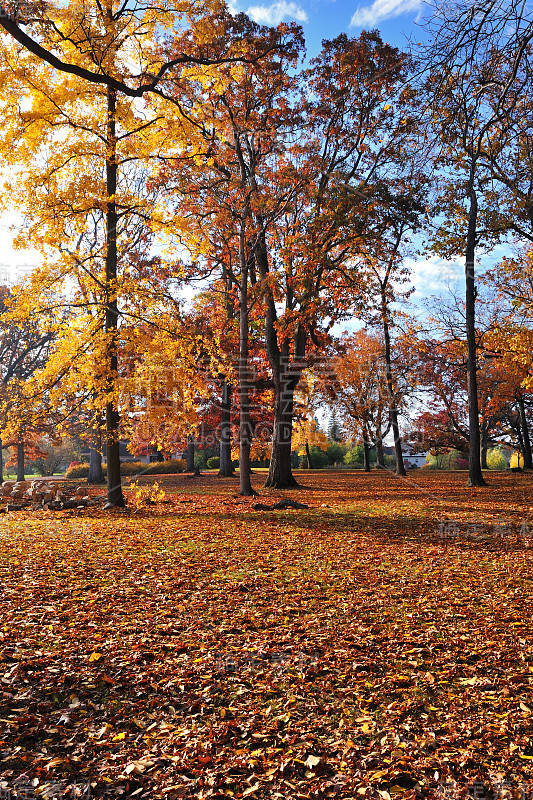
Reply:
x=376, y=644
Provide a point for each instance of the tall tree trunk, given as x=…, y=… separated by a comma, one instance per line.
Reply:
x=285, y=376
x=393, y=410
x=1, y=463
x=190, y=453
x=308, y=455
x=20, y=459
x=226, y=466
x=475, y=475
x=526, y=439
x=115, y=498
x=245, y=427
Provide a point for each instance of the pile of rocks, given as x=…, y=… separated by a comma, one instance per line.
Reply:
x=45, y=494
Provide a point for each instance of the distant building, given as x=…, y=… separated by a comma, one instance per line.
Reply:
x=411, y=459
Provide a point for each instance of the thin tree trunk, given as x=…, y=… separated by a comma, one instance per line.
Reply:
x=308, y=455
x=475, y=475
x=380, y=455
x=1, y=463
x=484, y=448
x=245, y=428
x=526, y=439
x=20, y=460
x=366, y=452
x=190, y=454
x=226, y=466
x=115, y=498
x=400, y=467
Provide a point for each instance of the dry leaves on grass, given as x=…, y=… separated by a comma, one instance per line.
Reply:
x=201, y=649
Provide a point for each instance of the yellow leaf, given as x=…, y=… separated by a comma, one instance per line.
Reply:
x=95, y=656
x=118, y=737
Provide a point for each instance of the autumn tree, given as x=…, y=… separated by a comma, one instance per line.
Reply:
x=24, y=350
x=358, y=393
x=117, y=52
x=228, y=199
x=477, y=66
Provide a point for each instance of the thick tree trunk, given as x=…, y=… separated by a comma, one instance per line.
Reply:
x=96, y=473
x=393, y=411
x=226, y=466
x=280, y=471
x=159, y=456
x=115, y=498
x=20, y=460
x=526, y=439
x=190, y=453
x=475, y=475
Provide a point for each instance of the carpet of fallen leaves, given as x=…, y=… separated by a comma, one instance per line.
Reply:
x=376, y=644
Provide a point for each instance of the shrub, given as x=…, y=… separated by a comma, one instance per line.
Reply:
x=77, y=471
x=172, y=467
x=461, y=463
x=496, y=459
x=128, y=468
x=213, y=462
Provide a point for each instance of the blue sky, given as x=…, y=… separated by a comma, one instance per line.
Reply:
x=325, y=19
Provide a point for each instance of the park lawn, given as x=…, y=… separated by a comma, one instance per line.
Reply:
x=375, y=644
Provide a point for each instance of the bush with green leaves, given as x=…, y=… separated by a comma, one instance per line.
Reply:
x=496, y=459
x=355, y=456
x=213, y=462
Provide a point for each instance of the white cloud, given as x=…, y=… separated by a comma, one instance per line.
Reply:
x=435, y=276
x=369, y=16
x=275, y=13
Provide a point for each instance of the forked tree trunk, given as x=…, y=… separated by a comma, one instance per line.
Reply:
x=226, y=466
x=115, y=498
x=285, y=376
x=20, y=460
x=526, y=439
x=475, y=475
